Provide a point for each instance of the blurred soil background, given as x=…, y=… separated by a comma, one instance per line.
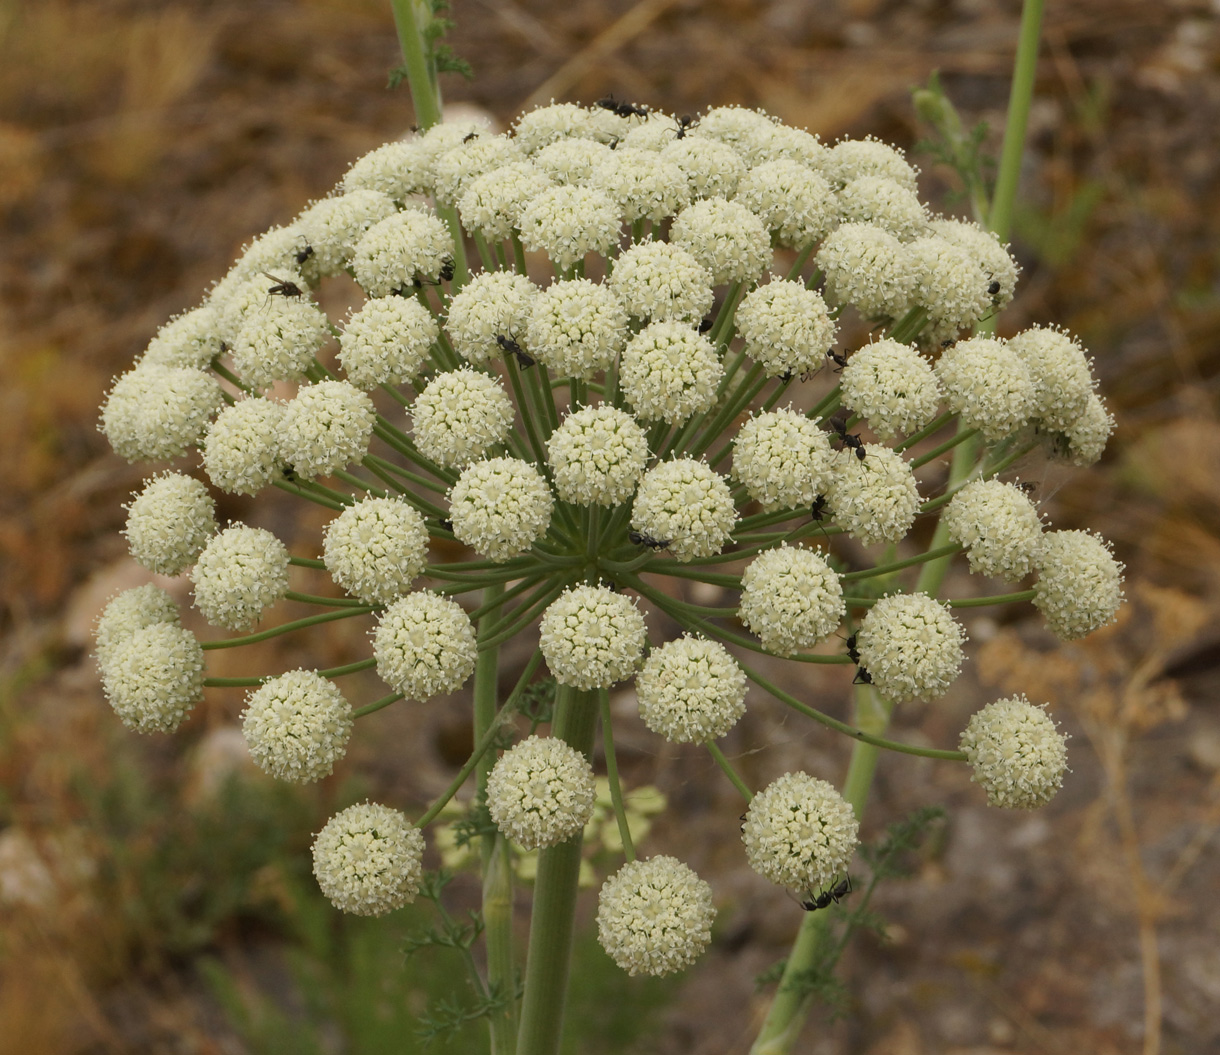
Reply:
x=155, y=895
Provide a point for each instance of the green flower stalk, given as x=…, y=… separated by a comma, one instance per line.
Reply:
x=641, y=387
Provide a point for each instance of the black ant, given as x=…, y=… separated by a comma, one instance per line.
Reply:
x=706, y=323
x=622, y=109
x=836, y=893
x=302, y=255
x=994, y=287
x=853, y=653
x=283, y=287
x=849, y=439
x=290, y=474
x=685, y=123
x=863, y=677
x=818, y=509
x=469, y=136
x=743, y=824
x=511, y=347
x=840, y=361
x=948, y=343
x=614, y=143
x=446, y=524
x=639, y=538
x=448, y=269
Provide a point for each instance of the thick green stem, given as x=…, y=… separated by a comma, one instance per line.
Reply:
x=552, y=923
x=410, y=16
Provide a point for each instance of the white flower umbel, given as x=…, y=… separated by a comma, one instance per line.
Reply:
x=460, y=415
x=874, y=498
x=571, y=162
x=712, y=169
x=786, y=327
x=447, y=136
x=401, y=250
x=500, y=507
x=592, y=637
x=278, y=341
x=1059, y=369
x=297, y=726
x=949, y=286
x=169, y=523
x=725, y=237
x=577, y=328
x=154, y=677
x=493, y=304
x=991, y=257
x=670, y=372
x=424, y=645
x=783, y=458
x=189, y=340
x=597, y=456
x=455, y=170
x=691, y=690
x=988, y=384
x=241, y=572
x=851, y=159
x=327, y=427
x=540, y=793
x=796, y=144
x=867, y=267
x=791, y=200
x=334, y=226
x=386, y=342
x=911, y=646
x=658, y=281
x=1080, y=584
x=241, y=452
x=892, y=387
x=998, y=525
x=368, y=860
x=376, y=548
x=155, y=413
x=643, y=184
x=545, y=125
x=655, y=916
x=1087, y=437
x=129, y=611
x=791, y=599
x=749, y=132
x=568, y=222
x=799, y=832
x=492, y=203
x=398, y=170
x=687, y=504
x=1017, y=753
x=883, y=202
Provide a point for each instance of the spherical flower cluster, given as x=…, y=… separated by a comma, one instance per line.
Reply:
x=990, y=256
x=786, y=327
x=655, y=916
x=874, y=498
x=169, y=523
x=156, y=412
x=327, y=427
x=659, y=281
x=154, y=677
x=446, y=136
x=687, y=504
x=852, y=159
x=577, y=327
x=643, y=184
x=368, y=860
x=279, y=341
x=799, y=832
x=334, y=226
x=571, y=162
x=725, y=237
x=188, y=340
x=911, y=645
x=597, y=456
x=241, y=572
x=129, y=611
x=386, y=342
x=297, y=726
x=592, y=637
x=892, y=387
x=651, y=134
x=400, y=250
x=568, y=222
x=398, y=169
x=712, y=169
x=424, y=645
x=791, y=599
x=868, y=267
x=241, y=452
x=749, y=132
x=500, y=507
x=669, y=372
x=1017, y=754
x=1087, y=437
x=545, y=125
x=947, y=283
x=783, y=458
x=1080, y=584
x=988, y=384
x=885, y=203
x=998, y=525
x=376, y=548
x=796, y=144
x=1060, y=372
x=460, y=415
x=790, y=199
x=691, y=690
x=455, y=170
x=493, y=304
x=491, y=203
x=540, y=793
